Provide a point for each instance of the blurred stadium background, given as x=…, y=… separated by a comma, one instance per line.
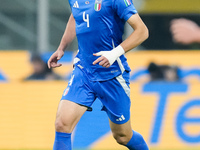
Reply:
x=166, y=113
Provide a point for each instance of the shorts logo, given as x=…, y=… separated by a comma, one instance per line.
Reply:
x=121, y=118
x=127, y=2
x=66, y=91
x=98, y=4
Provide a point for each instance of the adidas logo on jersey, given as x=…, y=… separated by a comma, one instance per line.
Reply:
x=76, y=5
x=121, y=118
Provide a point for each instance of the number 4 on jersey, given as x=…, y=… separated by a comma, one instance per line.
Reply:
x=86, y=19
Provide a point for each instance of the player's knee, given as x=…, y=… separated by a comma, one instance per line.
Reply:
x=59, y=125
x=62, y=126
x=122, y=139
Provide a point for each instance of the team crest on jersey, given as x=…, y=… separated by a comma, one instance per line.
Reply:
x=97, y=5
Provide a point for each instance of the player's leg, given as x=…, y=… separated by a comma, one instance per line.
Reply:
x=76, y=99
x=124, y=135
x=68, y=115
x=115, y=96
x=121, y=132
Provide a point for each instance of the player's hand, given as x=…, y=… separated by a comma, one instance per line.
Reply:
x=53, y=60
x=108, y=57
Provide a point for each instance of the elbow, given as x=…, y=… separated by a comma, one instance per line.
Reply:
x=145, y=33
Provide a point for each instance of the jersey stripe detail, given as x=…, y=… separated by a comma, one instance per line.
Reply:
x=113, y=45
x=121, y=80
x=120, y=65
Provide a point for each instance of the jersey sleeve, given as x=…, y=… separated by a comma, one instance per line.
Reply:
x=124, y=8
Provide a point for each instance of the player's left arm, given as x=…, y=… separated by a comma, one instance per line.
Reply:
x=139, y=35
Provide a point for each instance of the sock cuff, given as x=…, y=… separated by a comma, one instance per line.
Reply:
x=62, y=141
x=137, y=142
x=63, y=134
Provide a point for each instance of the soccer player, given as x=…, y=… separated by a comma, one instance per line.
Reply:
x=100, y=68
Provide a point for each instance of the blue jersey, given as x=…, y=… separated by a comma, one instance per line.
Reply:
x=99, y=27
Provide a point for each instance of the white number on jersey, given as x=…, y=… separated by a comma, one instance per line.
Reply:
x=86, y=19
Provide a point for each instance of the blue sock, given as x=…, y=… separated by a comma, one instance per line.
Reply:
x=62, y=141
x=137, y=142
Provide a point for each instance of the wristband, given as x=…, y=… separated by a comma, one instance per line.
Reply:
x=118, y=51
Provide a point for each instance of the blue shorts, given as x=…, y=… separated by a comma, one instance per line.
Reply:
x=114, y=94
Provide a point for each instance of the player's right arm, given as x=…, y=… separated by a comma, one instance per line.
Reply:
x=68, y=36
